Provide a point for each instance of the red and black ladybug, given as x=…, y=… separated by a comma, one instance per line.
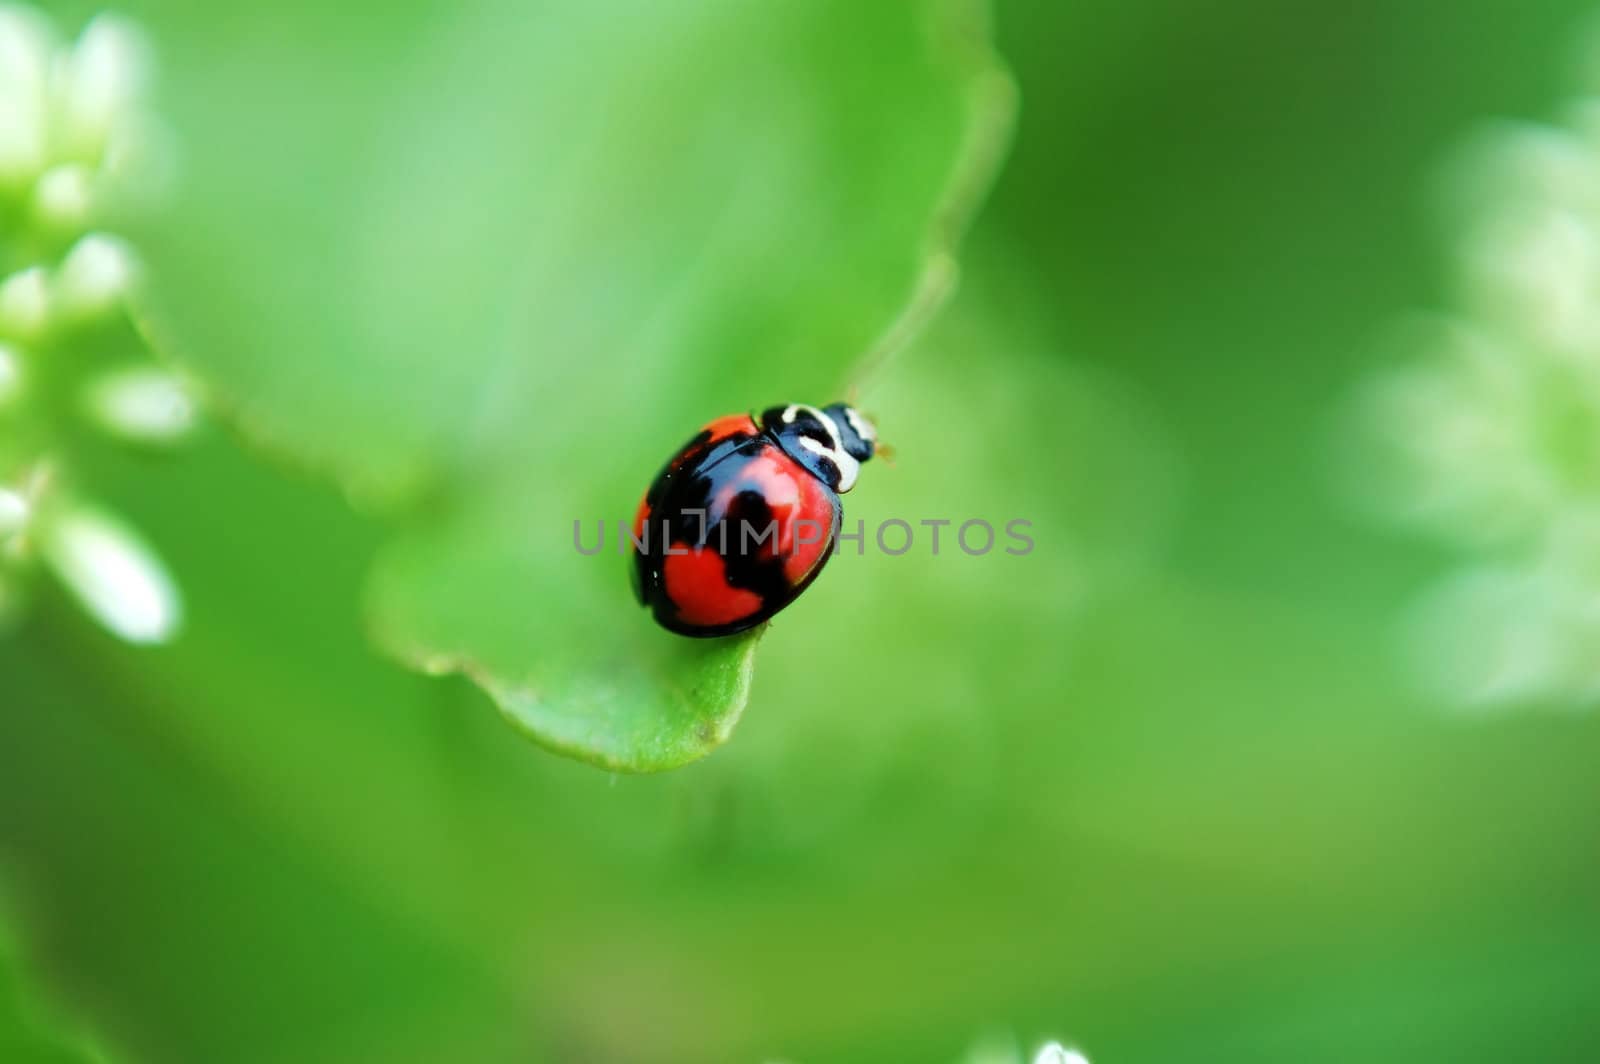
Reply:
x=743, y=518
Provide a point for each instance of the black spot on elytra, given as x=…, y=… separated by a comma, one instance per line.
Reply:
x=754, y=565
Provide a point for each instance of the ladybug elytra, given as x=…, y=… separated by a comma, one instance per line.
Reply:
x=743, y=517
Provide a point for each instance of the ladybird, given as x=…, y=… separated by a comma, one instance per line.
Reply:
x=741, y=520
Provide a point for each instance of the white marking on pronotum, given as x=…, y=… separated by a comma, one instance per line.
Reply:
x=792, y=411
x=842, y=460
x=863, y=427
x=832, y=427
x=847, y=465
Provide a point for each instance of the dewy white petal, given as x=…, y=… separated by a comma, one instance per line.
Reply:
x=1056, y=1053
x=96, y=274
x=1535, y=267
x=10, y=374
x=147, y=404
x=14, y=512
x=24, y=303
x=116, y=577
x=63, y=196
x=25, y=47
x=26, y=44
x=102, y=82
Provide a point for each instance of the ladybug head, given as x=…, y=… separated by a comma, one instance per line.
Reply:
x=831, y=442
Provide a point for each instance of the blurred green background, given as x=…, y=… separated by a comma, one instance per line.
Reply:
x=1163, y=788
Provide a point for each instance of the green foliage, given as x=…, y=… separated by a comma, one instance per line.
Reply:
x=29, y=1033
x=536, y=259
x=1157, y=789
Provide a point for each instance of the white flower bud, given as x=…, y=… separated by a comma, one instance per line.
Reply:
x=14, y=513
x=115, y=576
x=145, y=405
x=10, y=374
x=96, y=274
x=25, y=47
x=64, y=196
x=1056, y=1053
x=24, y=303
x=101, y=82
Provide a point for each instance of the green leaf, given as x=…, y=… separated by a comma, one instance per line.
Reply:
x=489, y=266
x=601, y=682
x=30, y=1033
